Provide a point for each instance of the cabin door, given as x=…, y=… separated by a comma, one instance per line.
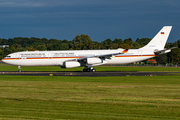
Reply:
x=140, y=53
x=50, y=56
x=18, y=57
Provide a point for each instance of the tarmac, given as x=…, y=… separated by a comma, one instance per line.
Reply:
x=88, y=74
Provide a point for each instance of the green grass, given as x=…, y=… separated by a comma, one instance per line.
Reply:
x=4, y=67
x=55, y=97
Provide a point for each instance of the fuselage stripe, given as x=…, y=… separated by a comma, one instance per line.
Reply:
x=74, y=57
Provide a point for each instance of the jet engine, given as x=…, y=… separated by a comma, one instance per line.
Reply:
x=94, y=61
x=71, y=64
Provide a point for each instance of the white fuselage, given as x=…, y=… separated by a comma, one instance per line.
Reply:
x=53, y=58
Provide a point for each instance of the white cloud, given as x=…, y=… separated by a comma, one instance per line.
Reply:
x=46, y=3
x=20, y=3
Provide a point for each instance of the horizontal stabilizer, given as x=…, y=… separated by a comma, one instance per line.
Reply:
x=159, y=52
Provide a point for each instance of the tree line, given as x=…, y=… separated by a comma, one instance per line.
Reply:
x=84, y=42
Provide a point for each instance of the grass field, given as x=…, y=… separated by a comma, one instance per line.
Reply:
x=55, y=97
x=5, y=67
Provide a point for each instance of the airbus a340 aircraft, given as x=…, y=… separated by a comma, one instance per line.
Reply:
x=89, y=58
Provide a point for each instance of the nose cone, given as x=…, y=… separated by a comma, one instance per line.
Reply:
x=4, y=60
x=7, y=61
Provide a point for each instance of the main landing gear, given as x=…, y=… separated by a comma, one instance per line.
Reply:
x=89, y=69
x=19, y=67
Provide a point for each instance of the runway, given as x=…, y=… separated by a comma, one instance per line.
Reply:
x=88, y=74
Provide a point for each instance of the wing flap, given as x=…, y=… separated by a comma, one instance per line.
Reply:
x=100, y=56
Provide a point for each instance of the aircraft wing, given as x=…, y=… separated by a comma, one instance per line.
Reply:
x=159, y=52
x=100, y=56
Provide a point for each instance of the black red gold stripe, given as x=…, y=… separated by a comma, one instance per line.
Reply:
x=76, y=57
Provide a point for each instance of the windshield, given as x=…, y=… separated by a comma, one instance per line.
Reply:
x=8, y=56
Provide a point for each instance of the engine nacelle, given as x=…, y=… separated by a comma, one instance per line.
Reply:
x=71, y=64
x=94, y=61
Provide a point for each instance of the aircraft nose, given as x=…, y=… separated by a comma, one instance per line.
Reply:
x=3, y=61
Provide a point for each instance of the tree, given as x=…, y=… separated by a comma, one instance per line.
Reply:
x=17, y=46
x=175, y=55
x=1, y=54
x=82, y=42
x=4, y=42
x=54, y=41
x=143, y=41
x=136, y=45
x=162, y=59
x=125, y=46
x=128, y=41
x=41, y=47
x=115, y=46
x=96, y=45
x=64, y=46
x=54, y=47
x=108, y=43
x=118, y=41
x=6, y=51
x=65, y=41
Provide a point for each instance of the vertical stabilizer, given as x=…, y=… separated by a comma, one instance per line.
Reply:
x=159, y=41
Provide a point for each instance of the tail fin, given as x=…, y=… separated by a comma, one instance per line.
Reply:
x=159, y=41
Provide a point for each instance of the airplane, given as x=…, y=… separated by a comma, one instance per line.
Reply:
x=90, y=58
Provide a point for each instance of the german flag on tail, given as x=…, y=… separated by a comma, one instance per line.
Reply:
x=162, y=33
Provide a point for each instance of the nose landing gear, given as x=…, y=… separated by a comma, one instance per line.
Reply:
x=19, y=67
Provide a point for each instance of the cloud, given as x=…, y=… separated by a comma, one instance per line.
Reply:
x=50, y=3
x=21, y=3
x=38, y=3
x=64, y=3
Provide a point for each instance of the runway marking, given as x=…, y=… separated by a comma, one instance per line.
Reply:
x=90, y=74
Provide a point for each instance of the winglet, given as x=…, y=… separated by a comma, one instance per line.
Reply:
x=125, y=51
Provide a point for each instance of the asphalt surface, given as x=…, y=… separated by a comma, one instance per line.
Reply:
x=88, y=74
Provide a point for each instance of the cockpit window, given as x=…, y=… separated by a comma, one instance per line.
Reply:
x=8, y=56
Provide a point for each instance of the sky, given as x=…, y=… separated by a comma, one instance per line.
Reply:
x=100, y=19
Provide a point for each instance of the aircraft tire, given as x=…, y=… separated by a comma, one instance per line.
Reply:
x=93, y=70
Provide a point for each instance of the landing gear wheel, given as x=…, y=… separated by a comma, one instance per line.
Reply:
x=19, y=67
x=90, y=69
x=93, y=70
